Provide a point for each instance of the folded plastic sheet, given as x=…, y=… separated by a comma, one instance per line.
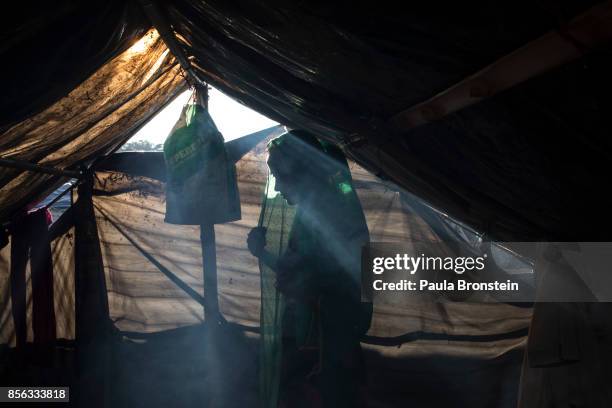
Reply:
x=93, y=119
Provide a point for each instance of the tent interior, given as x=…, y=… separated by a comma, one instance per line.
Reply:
x=460, y=122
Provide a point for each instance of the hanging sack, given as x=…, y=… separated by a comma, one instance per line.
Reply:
x=201, y=185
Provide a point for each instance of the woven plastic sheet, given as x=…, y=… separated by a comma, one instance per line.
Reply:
x=93, y=119
x=154, y=269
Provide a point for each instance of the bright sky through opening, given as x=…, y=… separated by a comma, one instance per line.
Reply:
x=232, y=119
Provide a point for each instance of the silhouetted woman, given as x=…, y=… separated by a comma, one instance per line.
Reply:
x=318, y=274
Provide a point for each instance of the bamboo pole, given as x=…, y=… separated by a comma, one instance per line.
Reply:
x=37, y=168
x=589, y=31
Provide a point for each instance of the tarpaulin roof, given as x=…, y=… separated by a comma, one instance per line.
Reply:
x=93, y=119
x=520, y=165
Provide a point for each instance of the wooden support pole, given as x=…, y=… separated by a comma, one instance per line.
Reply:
x=209, y=250
x=207, y=231
x=590, y=30
x=93, y=325
x=37, y=168
x=209, y=263
x=92, y=312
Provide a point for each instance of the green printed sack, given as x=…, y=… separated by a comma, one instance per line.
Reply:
x=201, y=186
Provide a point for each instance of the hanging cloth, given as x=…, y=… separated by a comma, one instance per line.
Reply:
x=30, y=243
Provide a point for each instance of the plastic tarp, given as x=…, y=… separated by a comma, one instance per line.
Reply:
x=518, y=166
x=144, y=298
x=93, y=119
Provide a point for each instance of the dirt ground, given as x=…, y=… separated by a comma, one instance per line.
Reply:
x=187, y=368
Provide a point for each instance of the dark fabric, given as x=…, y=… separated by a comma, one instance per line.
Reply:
x=30, y=242
x=43, y=314
x=19, y=261
x=3, y=237
x=20, y=296
x=568, y=360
